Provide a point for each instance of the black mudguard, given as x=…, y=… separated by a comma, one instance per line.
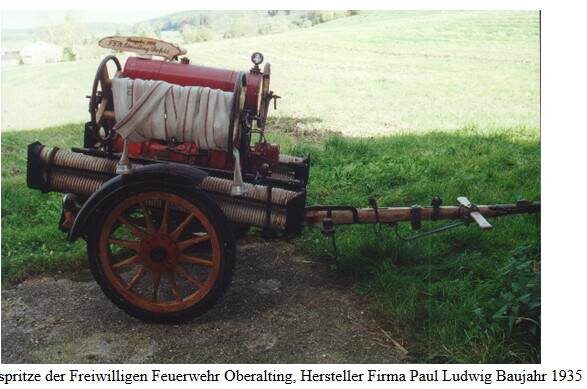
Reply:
x=169, y=174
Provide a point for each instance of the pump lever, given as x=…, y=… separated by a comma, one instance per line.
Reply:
x=474, y=213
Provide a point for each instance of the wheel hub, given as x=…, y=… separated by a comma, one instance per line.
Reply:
x=159, y=252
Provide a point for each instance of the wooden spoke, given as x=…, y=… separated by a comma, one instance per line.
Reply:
x=171, y=279
x=194, y=280
x=137, y=221
x=177, y=232
x=136, y=231
x=164, y=218
x=192, y=242
x=126, y=263
x=156, y=277
x=129, y=244
x=104, y=79
x=195, y=260
x=136, y=278
x=101, y=109
x=148, y=222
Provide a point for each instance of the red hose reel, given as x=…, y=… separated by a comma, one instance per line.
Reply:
x=252, y=117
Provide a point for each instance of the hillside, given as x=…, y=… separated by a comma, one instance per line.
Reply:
x=230, y=24
x=362, y=75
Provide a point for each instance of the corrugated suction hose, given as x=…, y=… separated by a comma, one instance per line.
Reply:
x=82, y=174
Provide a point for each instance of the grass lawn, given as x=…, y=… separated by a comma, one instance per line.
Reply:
x=458, y=95
x=453, y=295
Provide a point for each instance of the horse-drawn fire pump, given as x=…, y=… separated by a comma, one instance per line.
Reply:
x=168, y=175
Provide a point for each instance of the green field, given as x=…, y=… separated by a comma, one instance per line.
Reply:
x=361, y=75
x=457, y=95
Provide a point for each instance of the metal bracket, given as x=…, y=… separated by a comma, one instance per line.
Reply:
x=416, y=217
x=373, y=204
x=436, y=203
x=377, y=225
x=329, y=229
x=124, y=166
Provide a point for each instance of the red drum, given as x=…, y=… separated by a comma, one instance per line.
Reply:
x=194, y=75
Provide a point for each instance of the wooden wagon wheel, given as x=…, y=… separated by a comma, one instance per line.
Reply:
x=162, y=255
x=101, y=100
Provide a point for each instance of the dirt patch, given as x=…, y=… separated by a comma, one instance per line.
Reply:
x=280, y=308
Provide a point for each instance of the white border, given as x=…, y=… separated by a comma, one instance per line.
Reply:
x=564, y=146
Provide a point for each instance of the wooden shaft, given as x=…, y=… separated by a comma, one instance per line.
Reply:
x=400, y=214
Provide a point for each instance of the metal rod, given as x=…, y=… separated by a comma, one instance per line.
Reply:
x=426, y=233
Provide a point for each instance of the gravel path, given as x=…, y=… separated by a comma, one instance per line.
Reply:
x=280, y=308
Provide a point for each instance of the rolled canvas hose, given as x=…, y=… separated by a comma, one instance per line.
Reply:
x=152, y=109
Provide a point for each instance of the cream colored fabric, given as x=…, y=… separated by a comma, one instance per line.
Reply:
x=150, y=109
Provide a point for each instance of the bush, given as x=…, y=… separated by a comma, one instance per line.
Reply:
x=264, y=29
x=317, y=17
x=192, y=34
x=518, y=306
x=515, y=312
x=276, y=25
x=69, y=54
